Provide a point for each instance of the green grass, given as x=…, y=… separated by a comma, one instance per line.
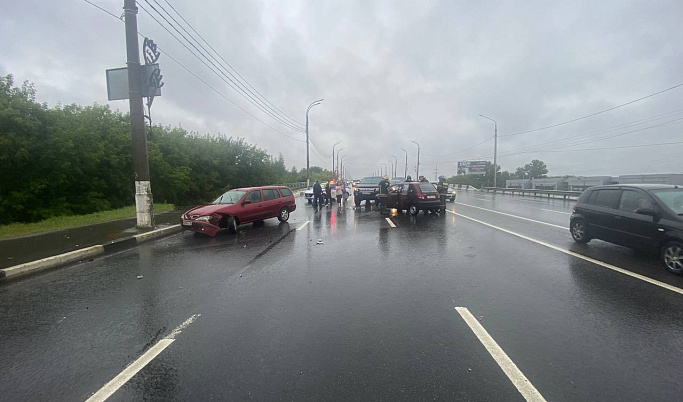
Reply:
x=65, y=222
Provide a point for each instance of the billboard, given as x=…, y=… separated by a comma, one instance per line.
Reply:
x=472, y=167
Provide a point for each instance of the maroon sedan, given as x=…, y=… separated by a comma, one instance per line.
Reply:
x=240, y=206
x=414, y=197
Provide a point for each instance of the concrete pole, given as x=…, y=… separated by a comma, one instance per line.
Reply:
x=144, y=205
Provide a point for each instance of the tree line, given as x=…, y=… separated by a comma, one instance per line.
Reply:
x=71, y=159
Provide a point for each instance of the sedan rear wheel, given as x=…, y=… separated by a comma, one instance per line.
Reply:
x=672, y=256
x=283, y=215
x=413, y=210
x=579, y=231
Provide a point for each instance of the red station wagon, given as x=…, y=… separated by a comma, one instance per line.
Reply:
x=240, y=206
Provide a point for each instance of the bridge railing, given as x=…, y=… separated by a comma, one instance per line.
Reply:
x=294, y=186
x=567, y=195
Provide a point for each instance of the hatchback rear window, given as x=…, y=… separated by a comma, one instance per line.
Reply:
x=427, y=188
x=285, y=192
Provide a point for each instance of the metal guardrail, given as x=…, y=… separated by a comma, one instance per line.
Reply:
x=293, y=186
x=535, y=192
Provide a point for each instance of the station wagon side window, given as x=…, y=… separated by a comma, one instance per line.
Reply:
x=255, y=196
x=632, y=200
x=285, y=192
x=270, y=195
x=404, y=189
x=606, y=198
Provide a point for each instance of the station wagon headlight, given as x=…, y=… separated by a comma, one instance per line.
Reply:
x=204, y=218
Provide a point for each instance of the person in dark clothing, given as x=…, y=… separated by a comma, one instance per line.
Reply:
x=409, y=178
x=328, y=192
x=383, y=191
x=317, y=194
x=442, y=188
x=423, y=179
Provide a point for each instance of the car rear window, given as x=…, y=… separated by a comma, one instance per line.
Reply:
x=427, y=188
x=270, y=194
x=285, y=192
x=607, y=198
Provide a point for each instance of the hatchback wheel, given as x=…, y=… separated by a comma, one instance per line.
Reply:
x=283, y=215
x=579, y=231
x=232, y=224
x=413, y=210
x=672, y=256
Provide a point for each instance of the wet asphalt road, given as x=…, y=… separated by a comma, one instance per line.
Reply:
x=366, y=315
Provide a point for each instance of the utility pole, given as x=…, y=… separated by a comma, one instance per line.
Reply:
x=495, y=150
x=405, y=173
x=308, y=155
x=144, y=205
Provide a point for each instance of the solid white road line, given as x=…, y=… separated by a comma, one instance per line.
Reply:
x=583, y=257
x=510, y=369
x=128, y=373
x=118, y=381
x=514, y=216
x=303, y=225
x=390, y=222
x=558, y=212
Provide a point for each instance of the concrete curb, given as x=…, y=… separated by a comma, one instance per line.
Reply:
x=51, y=262
x=87, y=252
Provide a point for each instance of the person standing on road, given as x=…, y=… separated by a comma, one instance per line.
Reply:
x=317, y=194
x=442, y=189
x=328, y=192
x=339, y=192
x=423, y=179
x=383, y=191
x=409, y=178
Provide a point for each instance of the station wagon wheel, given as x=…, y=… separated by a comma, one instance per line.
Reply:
x=413, y=210
x=579, y=231
x=283, y=215
x=232, y=224
x=672, y=256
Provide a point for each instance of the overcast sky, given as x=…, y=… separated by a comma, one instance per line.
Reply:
x=392, y=72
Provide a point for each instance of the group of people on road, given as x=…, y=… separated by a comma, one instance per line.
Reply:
x=340, y=189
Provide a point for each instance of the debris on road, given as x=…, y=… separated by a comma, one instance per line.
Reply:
x=320, y=241
x=139, y=276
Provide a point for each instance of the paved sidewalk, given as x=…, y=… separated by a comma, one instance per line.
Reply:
x=18, y=250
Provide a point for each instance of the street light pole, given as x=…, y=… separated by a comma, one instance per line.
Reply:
x=338, y=151
x=333, y=165
x=341, y=167
x=495, y=150
x=417, y=172
x=405, y=173
x=393, y=174
x=308, y=155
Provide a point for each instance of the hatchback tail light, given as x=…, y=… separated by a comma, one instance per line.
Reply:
x=422, y=196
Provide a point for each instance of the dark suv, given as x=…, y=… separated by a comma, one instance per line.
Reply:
x=366, y=189
x=645, y=216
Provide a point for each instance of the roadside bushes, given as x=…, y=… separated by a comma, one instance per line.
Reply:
x=71, y=160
